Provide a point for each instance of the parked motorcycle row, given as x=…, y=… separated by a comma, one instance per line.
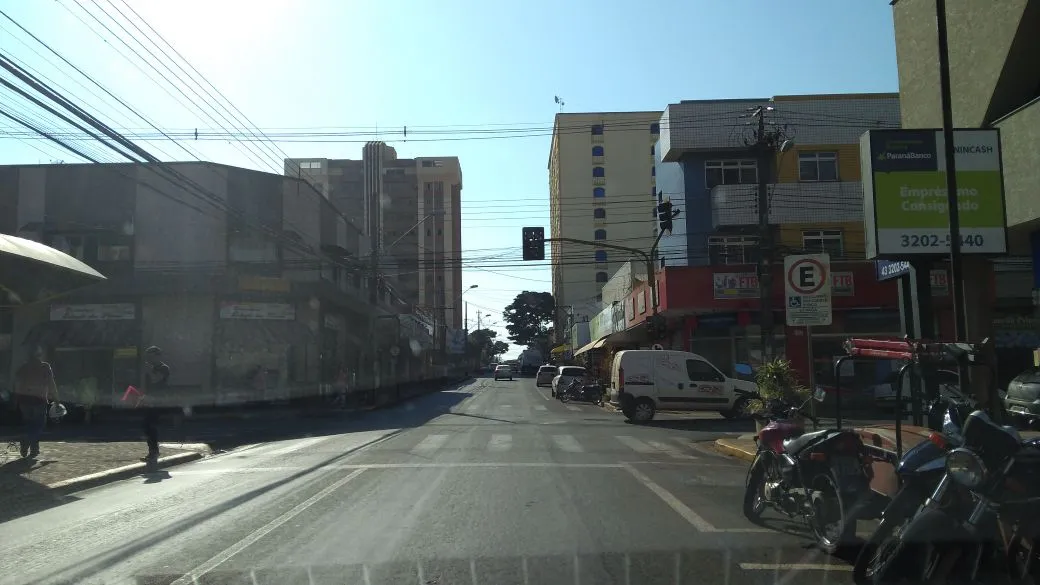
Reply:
x=966, y=509
x=577, y=390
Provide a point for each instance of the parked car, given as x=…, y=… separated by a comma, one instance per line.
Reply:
x=503, y=371
x=545, y=375
x=643, y=381
x=1023, y=397
x=564, y=377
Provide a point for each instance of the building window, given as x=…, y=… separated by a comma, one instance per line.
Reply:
x=823, y=241
x=599, y=192
x=733, y=249
x=601, y=277
x=597, y=151
x=597, y=130
x=599, y=213
x=598, y=172
x=601, y=255
x=655, y=128
x=817, y=166
x=729, y=172
x=600, y=235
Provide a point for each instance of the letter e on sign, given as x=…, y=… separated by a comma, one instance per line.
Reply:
x=807, y=290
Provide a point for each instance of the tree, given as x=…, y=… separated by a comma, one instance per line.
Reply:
x=482, y=343
x=529, y=318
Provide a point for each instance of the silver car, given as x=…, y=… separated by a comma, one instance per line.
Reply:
x=565, y=375
x=545, y=375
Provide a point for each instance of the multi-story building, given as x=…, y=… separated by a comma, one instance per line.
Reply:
x=247, y=280
x=601, y=186
x=412, y=216
x=995, y=83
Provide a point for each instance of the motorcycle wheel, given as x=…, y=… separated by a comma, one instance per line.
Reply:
x=830, y=521
x=882, y=550
x=754, y=496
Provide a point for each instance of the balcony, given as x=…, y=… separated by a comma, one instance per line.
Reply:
x=737, y=205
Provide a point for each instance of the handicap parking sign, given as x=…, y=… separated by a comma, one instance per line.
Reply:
x=794, y=302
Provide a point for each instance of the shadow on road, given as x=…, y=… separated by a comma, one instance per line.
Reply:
x=703, y=425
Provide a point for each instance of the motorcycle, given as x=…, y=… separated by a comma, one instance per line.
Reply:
x=577, y=390
x=821, y=476
x=989, y=490
x=919, y=470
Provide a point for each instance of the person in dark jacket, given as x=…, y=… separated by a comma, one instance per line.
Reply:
x=34, y=387
x=156, y=380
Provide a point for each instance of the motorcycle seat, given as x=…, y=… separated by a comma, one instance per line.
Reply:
x=798, y=443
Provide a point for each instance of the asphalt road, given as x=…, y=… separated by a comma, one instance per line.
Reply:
x=491, y=483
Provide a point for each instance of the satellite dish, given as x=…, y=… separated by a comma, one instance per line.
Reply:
x=657, y=346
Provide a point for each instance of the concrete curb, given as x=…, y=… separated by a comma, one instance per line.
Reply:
x=729, y=447
x=109, y=475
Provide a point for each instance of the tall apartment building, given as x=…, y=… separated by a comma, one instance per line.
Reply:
x=411, y=214
x=601, y=188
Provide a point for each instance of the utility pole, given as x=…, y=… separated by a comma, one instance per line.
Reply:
x=764, y=146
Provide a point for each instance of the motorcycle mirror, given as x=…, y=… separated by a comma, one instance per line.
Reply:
x=819, y=395
x=743, y=369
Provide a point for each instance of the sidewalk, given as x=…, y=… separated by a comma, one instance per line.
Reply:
x=29, y=485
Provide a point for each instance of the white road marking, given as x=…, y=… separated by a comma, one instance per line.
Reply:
x=296, y=446
x=430, y=444
x=673, y=502
x=539, y=391
x=567, y=443
x=574, y=408
x=223, y=556
x=795, y=567
x=500, y=442
x=635, y=444
x=669, y=450
x=541, y=408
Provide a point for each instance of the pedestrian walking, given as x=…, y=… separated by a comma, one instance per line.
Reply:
x=156, y=378
x=34, y=387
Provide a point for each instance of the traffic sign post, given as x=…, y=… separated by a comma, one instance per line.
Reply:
x=807, y=294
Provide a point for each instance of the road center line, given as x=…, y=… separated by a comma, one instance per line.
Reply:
x=223, y=556
x=673, y=502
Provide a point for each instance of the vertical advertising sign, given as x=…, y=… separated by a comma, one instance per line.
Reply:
x=905, y=207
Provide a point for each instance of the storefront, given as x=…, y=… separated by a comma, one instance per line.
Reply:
x=262, y=352
x=93, y=349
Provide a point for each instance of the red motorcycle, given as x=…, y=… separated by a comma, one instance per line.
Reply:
x=822, y=477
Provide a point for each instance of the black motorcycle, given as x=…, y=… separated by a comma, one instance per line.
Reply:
x=989, y=490
x=919, y=470
x=821, y=477
x=577, y=390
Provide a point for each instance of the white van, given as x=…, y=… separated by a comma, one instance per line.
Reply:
x=643, y=381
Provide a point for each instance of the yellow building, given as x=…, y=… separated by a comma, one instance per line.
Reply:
x=601, y=188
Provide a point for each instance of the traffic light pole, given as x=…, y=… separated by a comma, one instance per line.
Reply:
x=648, y=258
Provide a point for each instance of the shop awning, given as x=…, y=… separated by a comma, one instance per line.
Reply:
x=83, y=334
x=560, y=349
x=594, y=345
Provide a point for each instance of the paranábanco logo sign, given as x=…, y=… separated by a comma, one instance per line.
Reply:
x=905, y=205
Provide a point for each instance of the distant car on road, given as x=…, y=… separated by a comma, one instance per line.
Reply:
x=545, y=375
x=503, y=372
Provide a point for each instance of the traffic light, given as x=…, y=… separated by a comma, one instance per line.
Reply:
x=534, y=243
x=664, y=215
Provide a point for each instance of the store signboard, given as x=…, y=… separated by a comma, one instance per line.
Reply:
x=735, y=285
x=843, y=284
x=264, y=311
x=94, y=312
x=905, y=205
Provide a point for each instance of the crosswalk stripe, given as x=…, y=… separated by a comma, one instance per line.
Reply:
x=296, y=446
x=567, y=443
x=635, y=444
x=540, y=407
x=574, y=408
x=669, y=450
x=500, y=442
x=430, y=443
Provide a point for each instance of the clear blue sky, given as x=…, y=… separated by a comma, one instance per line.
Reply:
x=454, y=63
